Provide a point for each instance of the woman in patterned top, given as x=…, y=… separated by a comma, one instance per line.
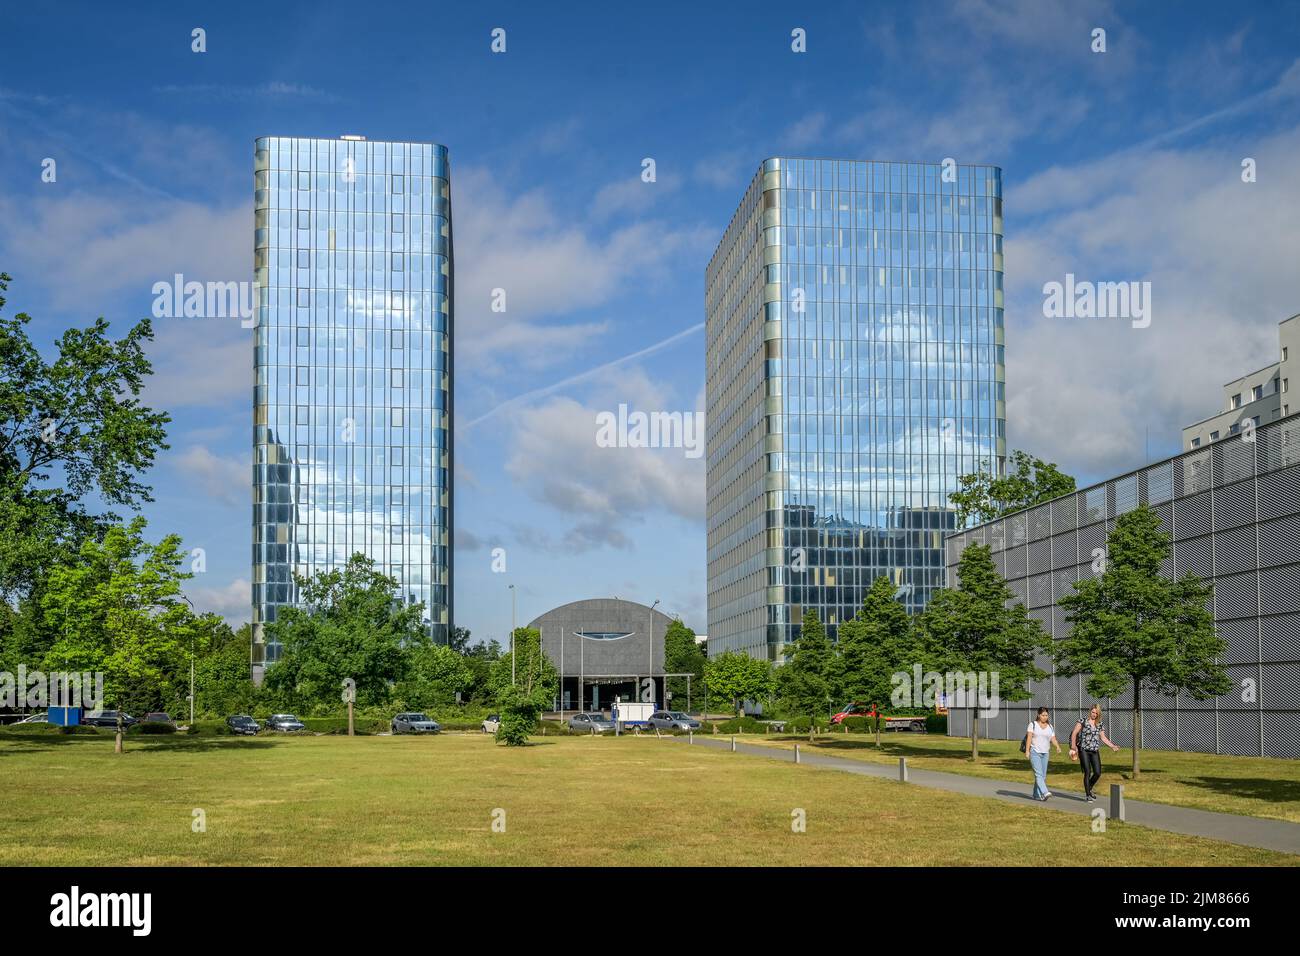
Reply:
x=1085, y=746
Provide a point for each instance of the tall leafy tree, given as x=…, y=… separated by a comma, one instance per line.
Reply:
x=350, y=622
x=118, y=609
x=978, y=628
x=72, y=430
x=221, y=674
x=1134, y=629
x=733, y=678
x=682, y=655
x=524, y=683
x=874, y=645
x=1027, y=481
x=810, y=680
x=435, y=674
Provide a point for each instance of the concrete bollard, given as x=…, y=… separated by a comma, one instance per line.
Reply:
x=733, y=745
x=902, y=769
x=690, y=737
x=1117, y=801
x=796, y=753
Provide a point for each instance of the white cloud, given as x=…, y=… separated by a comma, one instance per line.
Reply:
x=227, y=480
x=554, y=456
x=233, y=601
x=1220, y=255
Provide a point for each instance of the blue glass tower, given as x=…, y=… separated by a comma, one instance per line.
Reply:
x=353, y=396
x=854, y=370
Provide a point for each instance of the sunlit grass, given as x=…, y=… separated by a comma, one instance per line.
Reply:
x=576, y=801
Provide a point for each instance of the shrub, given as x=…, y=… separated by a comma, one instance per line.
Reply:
x=936, y=723
x=742, y=725
x=154, y=728
x=801, y=725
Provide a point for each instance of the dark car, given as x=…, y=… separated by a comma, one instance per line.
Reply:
x=107, y=718
x=158, y=717
x=243, y=724
x=284, y=722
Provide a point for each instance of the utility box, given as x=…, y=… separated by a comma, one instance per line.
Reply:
x=64, y=716
x=632, y=713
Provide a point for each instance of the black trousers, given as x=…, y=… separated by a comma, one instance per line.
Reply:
x=1090, y=762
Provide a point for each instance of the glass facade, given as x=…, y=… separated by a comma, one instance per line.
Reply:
x=352, y=400
x=854, y=370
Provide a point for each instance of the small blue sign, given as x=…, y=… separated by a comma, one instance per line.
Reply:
x=64, y=716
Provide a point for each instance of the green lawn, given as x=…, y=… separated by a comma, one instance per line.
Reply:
x=1251, y=786
x=572, y=800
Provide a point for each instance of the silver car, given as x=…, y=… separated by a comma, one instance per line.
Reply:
x=415, y=723
x=586, y=723
x=490, y=723
x=673, y=720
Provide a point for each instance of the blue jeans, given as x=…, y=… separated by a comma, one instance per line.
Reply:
x=1039, y=762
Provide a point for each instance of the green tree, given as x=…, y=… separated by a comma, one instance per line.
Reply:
x=1133, y=628
x=459, y=640
x=809, y=680
x=978, y=629
x=732, y=678
x=350, y=623
x=435, y=674
x=118, y=609
x=874, y=645
x=221, y=673
x=71, y=430
x=1026, y=481
x=523, y=691
x=682, y=655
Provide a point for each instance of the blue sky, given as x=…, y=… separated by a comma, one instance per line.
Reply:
x=1118, y=166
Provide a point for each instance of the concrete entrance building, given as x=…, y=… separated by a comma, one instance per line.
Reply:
x=606, y=648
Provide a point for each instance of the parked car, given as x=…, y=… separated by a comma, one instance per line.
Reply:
x=673, y=720
x=42, y=718
x=107, y=718
x=490, y=723
x=158, y=717
x=284, y=722
x=243, y=724
x=907, y=722
x=589, y=722
x=415, y=723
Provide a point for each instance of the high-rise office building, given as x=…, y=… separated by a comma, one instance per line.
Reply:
x=854, y=371
x=353, y=397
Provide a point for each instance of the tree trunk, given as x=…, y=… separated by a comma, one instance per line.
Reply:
x=1137, y=727
x=117, y=742
x=974, y=734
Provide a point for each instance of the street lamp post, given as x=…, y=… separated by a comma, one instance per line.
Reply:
x=193, y=610
x=512, y=634
x=651, y=672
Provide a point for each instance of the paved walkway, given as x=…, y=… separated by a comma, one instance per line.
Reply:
x=1230, y=828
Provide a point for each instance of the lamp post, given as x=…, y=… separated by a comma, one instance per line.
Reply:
x=651, y=672
x=194, y=611
x=512, y=634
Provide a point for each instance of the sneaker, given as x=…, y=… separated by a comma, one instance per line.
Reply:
x=1090, y=798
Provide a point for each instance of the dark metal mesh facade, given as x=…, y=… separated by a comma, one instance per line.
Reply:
x=1233, y=511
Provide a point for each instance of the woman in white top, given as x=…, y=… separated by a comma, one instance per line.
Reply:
x=1039, y=736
